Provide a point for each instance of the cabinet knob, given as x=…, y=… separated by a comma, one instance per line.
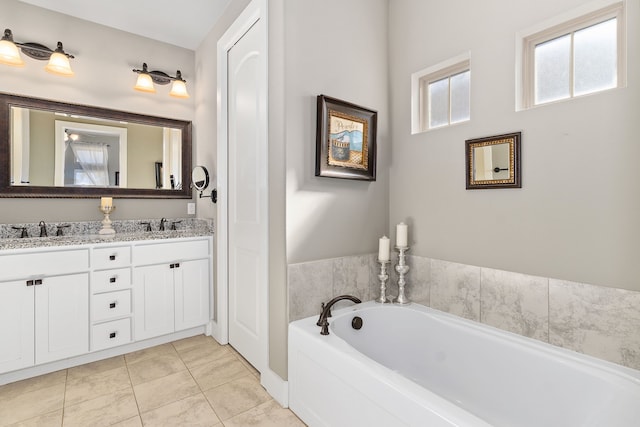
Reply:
x=112, y=279
x=112, y=335
x=30, y=283
x=112, y=305
x=112, y=257
x=38, y=282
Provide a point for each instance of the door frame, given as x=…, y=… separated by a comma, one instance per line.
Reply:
x=254, y=12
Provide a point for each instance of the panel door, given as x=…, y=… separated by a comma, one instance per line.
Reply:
x=61, y=317
x=16, y=325
x=153, y=301
x=191, y=294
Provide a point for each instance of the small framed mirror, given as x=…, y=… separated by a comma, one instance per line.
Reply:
x=493, y=162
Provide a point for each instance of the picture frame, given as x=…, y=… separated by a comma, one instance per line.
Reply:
x=345, y=140
x=493, y=162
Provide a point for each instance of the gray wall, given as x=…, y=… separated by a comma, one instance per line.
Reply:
x=576, y=216
x=103, y=64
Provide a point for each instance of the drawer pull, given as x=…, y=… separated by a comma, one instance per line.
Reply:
x=112, y=335
x=112, y=305
x=30, y=283
x=172, y=266
x=112, y=279
x=177, y=265
x=38, y=282
x=112, y=257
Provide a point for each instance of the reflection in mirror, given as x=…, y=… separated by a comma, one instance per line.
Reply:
x=62, y=150
x=493, y=162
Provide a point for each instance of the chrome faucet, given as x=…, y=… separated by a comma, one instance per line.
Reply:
x=162, y=221
x=326, y=312
x=43, y=229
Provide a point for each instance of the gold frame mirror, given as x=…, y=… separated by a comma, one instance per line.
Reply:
x=493, y=162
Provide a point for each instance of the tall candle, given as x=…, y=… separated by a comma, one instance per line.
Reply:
x=383, y=249
x=106, y=202
x=401, y=235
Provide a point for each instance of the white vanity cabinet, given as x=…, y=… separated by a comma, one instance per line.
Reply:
x=44, y=307
x=171, y=286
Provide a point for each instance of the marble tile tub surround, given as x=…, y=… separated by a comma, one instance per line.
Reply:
x=92, y=227
x=599, y=321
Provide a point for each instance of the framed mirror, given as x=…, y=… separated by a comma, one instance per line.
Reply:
x=55, y=149
x=493, y=162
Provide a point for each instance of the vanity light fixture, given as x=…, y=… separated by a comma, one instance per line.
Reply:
x=147, y=78
x=58, y=59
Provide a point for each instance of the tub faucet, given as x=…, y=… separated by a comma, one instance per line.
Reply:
x=43, y=229
x=326, y=312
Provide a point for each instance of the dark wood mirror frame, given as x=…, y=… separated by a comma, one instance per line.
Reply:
x=7, y=190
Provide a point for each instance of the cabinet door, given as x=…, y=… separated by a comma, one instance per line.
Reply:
x=192, y=294
x=16, y=325
x=153, y=301
x=62, y=317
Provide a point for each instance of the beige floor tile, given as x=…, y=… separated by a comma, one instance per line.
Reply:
x=160, y=392
x=248, y=365
x=192, y=411
x=52, y=419
x=205, y=352
x=147, y=353
x=155, y=367
x=190, y=342
x=95, y=367
x=102, y=411
x=32, y=384
x=218, y=372
x=92, y=386
x=235, y=397
x=269, y=414
x=40, y=401
x=131, y=422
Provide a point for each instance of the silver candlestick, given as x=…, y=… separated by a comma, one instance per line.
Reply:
x=383, y=276
x=106, y=229
x=402, y=268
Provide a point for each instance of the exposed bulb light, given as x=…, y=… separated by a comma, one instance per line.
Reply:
x=179, y=87
x=9, y=53
x=147, y=79
x=59, y=63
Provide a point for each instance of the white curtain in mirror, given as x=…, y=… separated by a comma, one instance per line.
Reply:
x=93, y=161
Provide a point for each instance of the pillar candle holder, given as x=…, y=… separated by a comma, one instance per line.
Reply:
x=383, y=276
x=106, y=229
x=402, y=269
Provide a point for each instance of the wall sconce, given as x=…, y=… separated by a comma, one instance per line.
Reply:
x=147, y=78
x=58, y=59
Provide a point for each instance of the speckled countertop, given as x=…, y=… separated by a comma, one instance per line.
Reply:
x=126, y=231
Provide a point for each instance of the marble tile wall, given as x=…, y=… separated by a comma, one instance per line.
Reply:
x=599, y=321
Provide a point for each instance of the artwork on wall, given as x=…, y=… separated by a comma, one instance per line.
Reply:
x=493, y=162
x=345, y=140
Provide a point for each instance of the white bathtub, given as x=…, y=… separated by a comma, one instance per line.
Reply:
x=415, y=366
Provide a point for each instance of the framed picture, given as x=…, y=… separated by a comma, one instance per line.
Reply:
x=345, y=140
x=493, y=162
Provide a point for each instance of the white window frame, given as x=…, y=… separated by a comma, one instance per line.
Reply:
x=420, y=81
x=586, y=16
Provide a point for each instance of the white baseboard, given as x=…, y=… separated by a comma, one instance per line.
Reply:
x=275, y=386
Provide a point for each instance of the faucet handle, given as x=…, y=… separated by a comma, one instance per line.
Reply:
x=59, y=231
x=173, y=224
x=23, y=233
x=148, y=226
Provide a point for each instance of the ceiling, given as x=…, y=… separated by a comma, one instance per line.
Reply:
x=183, y=24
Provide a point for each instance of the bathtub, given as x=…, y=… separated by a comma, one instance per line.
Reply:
x=415, y=366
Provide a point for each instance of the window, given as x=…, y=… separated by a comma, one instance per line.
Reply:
x=577, y=57
x=441, y=95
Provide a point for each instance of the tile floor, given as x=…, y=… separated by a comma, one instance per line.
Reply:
x=191, y=382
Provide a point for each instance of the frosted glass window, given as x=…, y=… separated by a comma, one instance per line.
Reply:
x=579, y=57
x=439, y=103
x=595, y=52
x=460, y=90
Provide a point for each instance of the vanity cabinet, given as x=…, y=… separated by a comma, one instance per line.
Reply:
x=44, y=313
x=171, y=293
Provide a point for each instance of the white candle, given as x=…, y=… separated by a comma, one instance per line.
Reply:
x=383, y=249
x=401, y=235
x=106, y=202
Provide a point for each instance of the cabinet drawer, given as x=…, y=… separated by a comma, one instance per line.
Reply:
x=44, y=263
x=117, y=256
x=110, y=334
x=110, y=280
x=111, y=304
x=158, y=253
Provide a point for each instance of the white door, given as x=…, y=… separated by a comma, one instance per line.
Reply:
x=191, y=294
x=16, y=325
x=247, y=191
x=153, y=301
